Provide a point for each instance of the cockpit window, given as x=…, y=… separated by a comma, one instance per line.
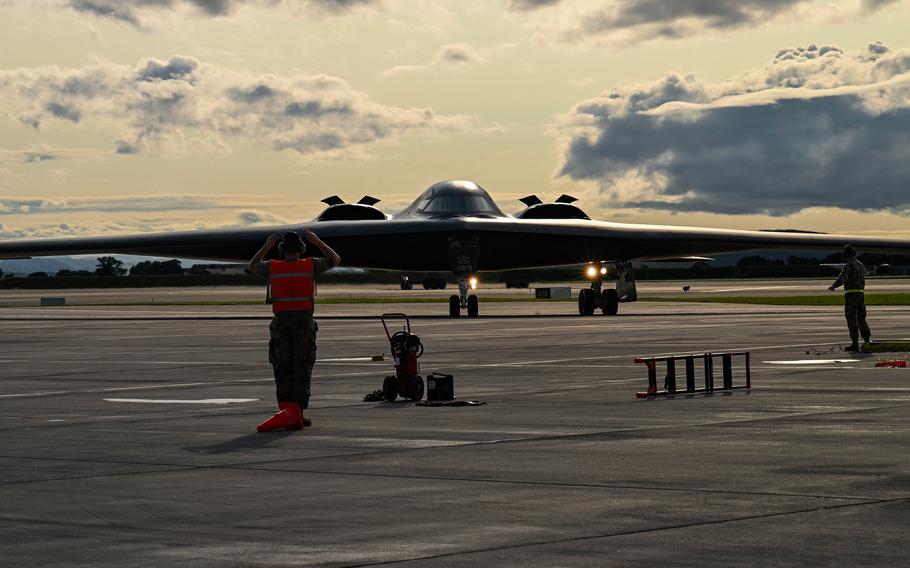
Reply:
x=454, y=199
x=460, y=204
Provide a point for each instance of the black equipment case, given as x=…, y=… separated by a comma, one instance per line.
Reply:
x=440, y=387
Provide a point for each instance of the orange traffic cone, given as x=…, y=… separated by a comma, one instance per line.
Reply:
x=289, y=417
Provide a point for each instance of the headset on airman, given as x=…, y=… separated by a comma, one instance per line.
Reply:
x=291, y=241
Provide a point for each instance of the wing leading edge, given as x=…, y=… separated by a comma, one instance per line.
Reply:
x=423, y=244
x=530, y=243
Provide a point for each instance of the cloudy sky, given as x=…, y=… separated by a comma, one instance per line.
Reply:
x=124, y=116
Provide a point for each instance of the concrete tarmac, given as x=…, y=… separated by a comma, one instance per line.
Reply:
x=127, y=438
x=653, y=288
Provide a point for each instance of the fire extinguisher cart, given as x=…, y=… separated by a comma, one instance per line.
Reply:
x=406, y=349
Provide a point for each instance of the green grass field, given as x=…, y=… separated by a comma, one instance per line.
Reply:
x=832, y=299
x=323, y=301
x=820, y=300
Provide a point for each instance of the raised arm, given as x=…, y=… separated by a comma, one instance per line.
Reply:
x=260, y=256
x=329, y=253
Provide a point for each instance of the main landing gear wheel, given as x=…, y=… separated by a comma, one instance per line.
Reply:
x=414, y=389
x=610, y=301
x=473, y=306
x=434, y=284
x=390, y=388
x=454, y=306
x=586, y=301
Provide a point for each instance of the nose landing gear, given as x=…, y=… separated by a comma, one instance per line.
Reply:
x=463, y=300
x=464, y=255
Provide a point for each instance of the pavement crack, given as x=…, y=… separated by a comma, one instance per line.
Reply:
x=664, y=528
x=555, y=483
x=170, y=469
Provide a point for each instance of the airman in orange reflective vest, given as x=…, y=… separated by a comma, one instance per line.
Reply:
x=292, y=347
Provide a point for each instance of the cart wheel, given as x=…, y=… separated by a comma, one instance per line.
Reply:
x=390, y=388
x=415, y=387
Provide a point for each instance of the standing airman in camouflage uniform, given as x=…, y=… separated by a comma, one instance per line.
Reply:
x=292, y=347
x=853, y=279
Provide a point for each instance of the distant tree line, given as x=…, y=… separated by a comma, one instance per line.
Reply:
x=112, y=266
x=155, y=267
x=173, y=273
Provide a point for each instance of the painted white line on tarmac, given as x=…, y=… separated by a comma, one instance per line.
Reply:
x=839, y=389
x=174, y=385
x=21, y=395
x=175, y=401
x=751, y=288
x=350, y=360
x=194, y=363
x=394, y=443
x=605, y=357
x=122, y=361
x=812, y=362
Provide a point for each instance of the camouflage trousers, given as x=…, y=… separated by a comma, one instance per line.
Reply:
x=855, y=312
x=292, y=353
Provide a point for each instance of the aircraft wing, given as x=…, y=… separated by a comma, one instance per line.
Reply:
x=503, y=243
x=515, y=243
x=384, y=244
x=221, y=245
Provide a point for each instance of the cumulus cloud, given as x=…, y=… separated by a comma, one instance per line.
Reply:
x=95, y=228
x=816, y=128
x=158, y=104
x=141, y=13
x=255, y=217
x=87, y=216
x=30, y=227
x=45, y=153
x=621, y=22
x=147, y=203
x=446, y=57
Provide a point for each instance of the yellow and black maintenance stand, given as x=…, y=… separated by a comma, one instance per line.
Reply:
x=689, y=360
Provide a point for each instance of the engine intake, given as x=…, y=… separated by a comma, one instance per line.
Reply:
x=363, y=210
x=562, y=208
